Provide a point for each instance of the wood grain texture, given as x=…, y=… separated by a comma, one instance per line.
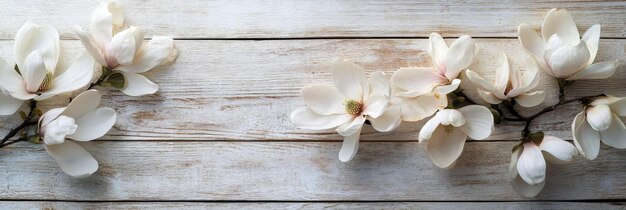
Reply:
x=288, y=171
x=280, y=19
x=246, y=90
x=303, y=205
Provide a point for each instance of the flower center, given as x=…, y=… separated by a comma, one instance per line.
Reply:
x=448, y=129
x=55, y=131
x=354, y=107
x=508, y=88
x=45, y=84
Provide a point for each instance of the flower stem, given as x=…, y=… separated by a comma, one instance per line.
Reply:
x=28, y=121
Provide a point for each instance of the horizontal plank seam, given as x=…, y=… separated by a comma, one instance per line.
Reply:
x=273, y=140
x=320, y=201
x=324, y=38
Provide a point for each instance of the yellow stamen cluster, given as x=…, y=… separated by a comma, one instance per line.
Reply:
x=508, y=88
x=354, y=107
x=47, y=81
x=448, y=128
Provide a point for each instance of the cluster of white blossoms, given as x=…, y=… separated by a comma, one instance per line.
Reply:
x=117, y=52
x=415, y=94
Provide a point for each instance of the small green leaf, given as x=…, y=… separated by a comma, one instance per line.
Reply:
x=117, y=80
x=23, y=115
x=38, y=112
x=536, y=138
x=34, y=139
x=497, y=118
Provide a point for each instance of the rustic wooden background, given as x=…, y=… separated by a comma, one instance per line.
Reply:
x=218, y=135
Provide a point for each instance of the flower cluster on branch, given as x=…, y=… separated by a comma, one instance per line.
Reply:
x=115, y=56
x=415, y=94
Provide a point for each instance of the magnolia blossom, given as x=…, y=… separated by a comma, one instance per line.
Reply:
x=561, y=52
x=528, y=163
x=123, y=50
x=421, y=92
x=347, y=106
x=600, y=121
x=81, y=120
x=509, y=84
x=446, y=132
x=36, y=56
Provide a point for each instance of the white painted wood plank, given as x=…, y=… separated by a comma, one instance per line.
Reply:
x=297, y=171
x=303, y=205
x=245, y=90
x=352, y=18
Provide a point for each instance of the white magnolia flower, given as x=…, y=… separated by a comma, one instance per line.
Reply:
x=81, y=120
x=600, y=121
x=36, y=56
x=124, y=50
x=561, y=52
x=421, y=92
x=347, y=106
x=510, y=83
x=528, y=163
x=446, y=132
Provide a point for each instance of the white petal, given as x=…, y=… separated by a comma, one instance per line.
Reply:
x=418, y=108
x=121, y=50
x=49, y=116
x=138, y=85
x=43, y=39
x=351, y=127
x=350, y=79
x=530, y=99
x=601, y=70
x=599, y=117
x=531, y=166
x=107, y=17
x=78, y=75
x=420, y=81
x=567, y=60
x=375, y=105
x=478, y=121
x=73, y=159
x=94, y=124
x=557, y=151
x=530, y=77
x=429, y=128
x=158, y=51
x=451, y=117
x=459, y=56
x=445, y=89
x=560, y=22
x=480, y=81
x=586, y=139
x=592, y=39
x=619, y=107
x=517, y=151
x=93, y=48
x=389, y=120
x=8, y=104
x=503, y=73
x=524, y=189
x=379, y=84
x=83, y=103
x=349, y=147
x=615, y=135
x=33, y=71
x=488, y=97
x=530, y=39
x=437, y=50
x=306, y=118
x=445, y=148
x=56, y=131
x=12, y=82
x=323, y=100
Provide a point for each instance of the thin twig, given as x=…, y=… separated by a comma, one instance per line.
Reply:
x=27, y=122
